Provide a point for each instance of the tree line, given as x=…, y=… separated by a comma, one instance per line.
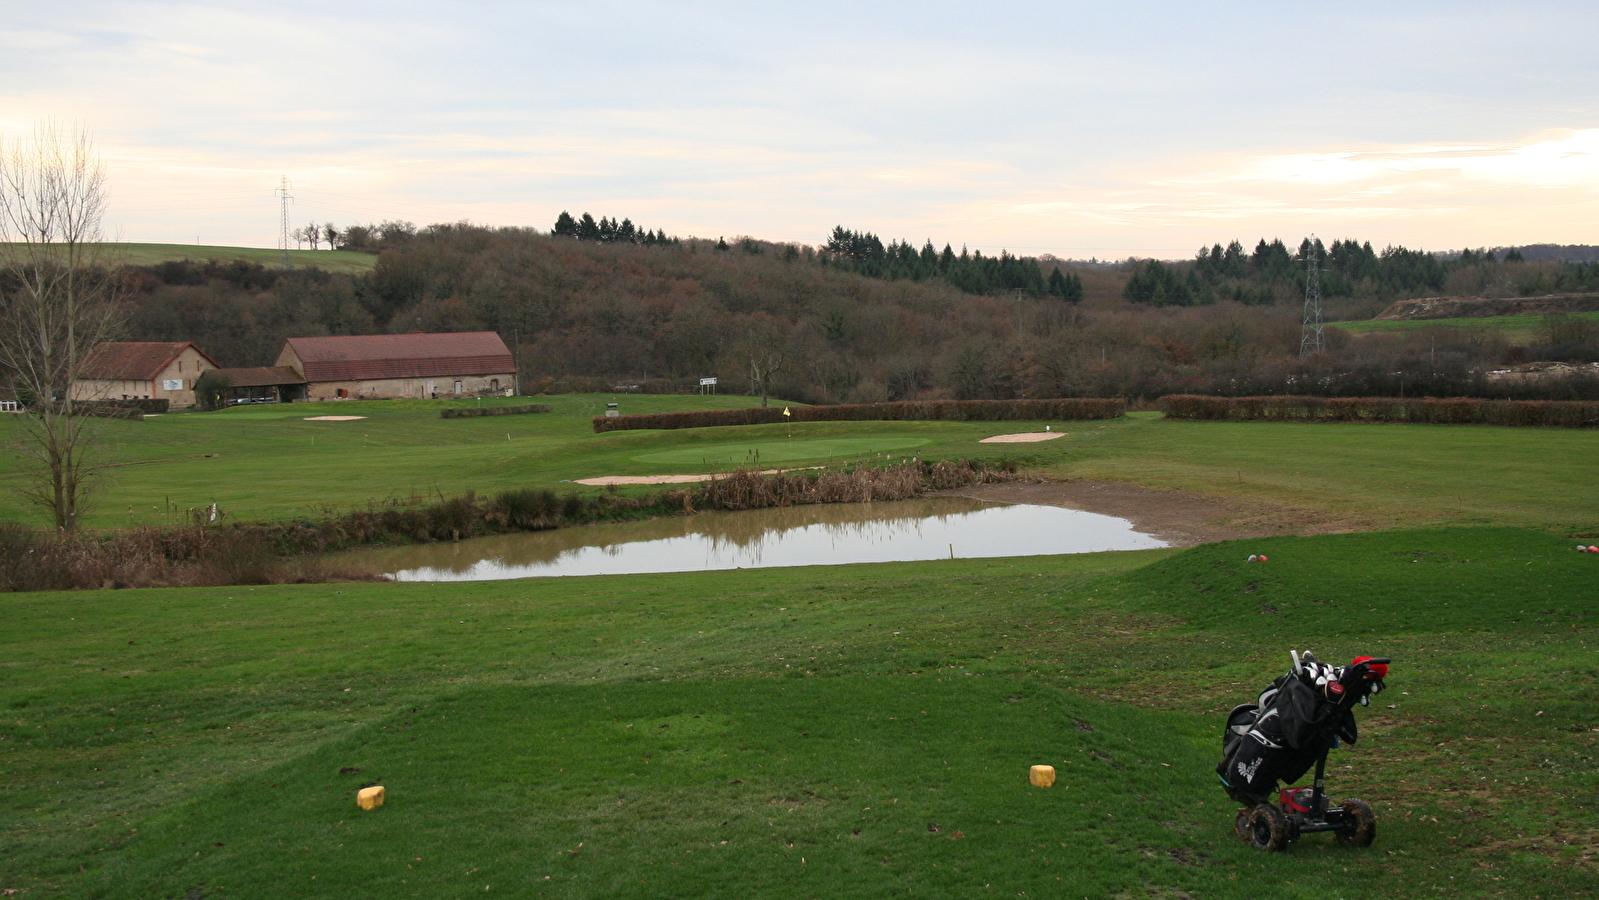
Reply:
x=1348, y=268
x=972, y=272
x=607, y=231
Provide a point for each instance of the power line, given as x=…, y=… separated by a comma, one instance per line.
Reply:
x=1311, y=339
x=283, y=219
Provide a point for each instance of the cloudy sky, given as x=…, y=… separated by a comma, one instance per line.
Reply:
x=1080, y=129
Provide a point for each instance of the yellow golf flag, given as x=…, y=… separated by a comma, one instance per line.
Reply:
x=786, y=412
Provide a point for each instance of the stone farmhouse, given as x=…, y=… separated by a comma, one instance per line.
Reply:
x=391, y=366
x=143, y=370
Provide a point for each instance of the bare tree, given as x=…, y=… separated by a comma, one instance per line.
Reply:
x=57, y=303
x=765, y=348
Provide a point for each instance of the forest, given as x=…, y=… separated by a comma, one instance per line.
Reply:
x=604, y=304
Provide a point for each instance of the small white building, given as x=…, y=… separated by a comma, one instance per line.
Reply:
x=143, y=370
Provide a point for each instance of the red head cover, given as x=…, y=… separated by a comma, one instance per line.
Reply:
x=1378, y=671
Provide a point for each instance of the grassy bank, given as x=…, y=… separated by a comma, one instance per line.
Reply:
x=270, y=463
x=347, y=261
x=1528, y=329
x=859, y=731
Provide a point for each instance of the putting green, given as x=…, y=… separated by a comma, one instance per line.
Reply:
x=781, y=451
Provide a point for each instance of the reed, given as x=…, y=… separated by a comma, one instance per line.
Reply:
x=203, y=554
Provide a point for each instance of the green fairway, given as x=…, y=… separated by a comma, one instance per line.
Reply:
x=1515, y=329
x=270, y=462
x=859, y=731
x=721, y=456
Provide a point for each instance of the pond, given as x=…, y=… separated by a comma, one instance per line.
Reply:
x=821, y=534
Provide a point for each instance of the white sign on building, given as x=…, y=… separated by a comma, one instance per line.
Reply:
x=172, y=384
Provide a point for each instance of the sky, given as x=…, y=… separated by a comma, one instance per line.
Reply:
x=1086, y=130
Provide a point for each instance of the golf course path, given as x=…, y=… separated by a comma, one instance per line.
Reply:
x=1181, y=518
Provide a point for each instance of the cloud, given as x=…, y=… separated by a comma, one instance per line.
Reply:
x=1079, y=128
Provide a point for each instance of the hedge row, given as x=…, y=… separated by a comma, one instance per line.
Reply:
x=467, y=412
x=910, y=410
x=124, y=409
x=1428, y=410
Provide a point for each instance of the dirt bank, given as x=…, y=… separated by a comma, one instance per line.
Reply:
x=1472, y=307
x=1181, y=518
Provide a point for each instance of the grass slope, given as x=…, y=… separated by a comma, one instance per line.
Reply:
x=347, y=261
x=858, y=731
x=1527, y=329
x=270, y=463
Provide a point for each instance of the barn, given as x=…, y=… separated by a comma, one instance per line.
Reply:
x=261, y=384
x=143, y=370
x=391, y=366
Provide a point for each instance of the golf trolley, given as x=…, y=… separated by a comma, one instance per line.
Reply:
x=1298, y=719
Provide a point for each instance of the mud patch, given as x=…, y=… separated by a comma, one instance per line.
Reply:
x=1180, y=518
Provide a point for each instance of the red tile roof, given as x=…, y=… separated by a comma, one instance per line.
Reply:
x=134, y=360
x=260, y=376
x=372, y=356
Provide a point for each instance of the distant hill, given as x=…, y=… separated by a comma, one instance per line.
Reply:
x=829, y=326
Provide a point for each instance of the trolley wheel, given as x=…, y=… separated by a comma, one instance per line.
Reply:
x=1241, y=823
x=1268, y=828
x=1360, y=824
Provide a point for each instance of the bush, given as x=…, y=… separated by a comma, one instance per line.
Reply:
x=910, y=410
x=467, y=412
x=1427, y=410
x=211, y=391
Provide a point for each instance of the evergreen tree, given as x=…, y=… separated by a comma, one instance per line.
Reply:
x=565, y=225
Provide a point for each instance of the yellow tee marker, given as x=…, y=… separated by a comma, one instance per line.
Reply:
x=370, y=797
x=1042, y=776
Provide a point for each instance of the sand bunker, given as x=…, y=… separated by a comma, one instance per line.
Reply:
x=608, y=480
x=1026, y=437
x=332, y=418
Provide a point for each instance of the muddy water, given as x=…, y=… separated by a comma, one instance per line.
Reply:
x=821, y=534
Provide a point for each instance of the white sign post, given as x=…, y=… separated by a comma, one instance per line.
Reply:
x=708, y=383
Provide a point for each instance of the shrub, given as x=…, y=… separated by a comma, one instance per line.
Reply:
x=467, y=412
x=910, y=410
x=1425, y=410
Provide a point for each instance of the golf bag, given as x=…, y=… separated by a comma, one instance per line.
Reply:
x=1298, y=718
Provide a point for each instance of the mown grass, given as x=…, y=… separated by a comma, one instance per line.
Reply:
x=270, y=463
x=1524, y=329
x=603, y=736
x=347, y=261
